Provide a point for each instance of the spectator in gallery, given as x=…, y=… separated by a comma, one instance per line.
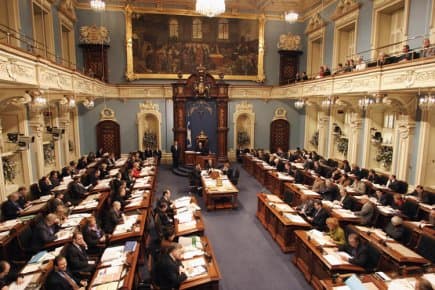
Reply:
x=361, y=64
x=339, y=70
x=382, y=59
x=427, y=50
x=406, y=54
x=321, y=73
x=327, y=71
x=304, y=76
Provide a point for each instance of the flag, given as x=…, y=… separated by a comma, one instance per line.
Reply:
x=189, y=135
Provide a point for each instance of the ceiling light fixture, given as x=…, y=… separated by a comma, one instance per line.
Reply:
x=299, y=104
x=291, y=17
x=98, y=4
x=210, y=8
x=365, y=102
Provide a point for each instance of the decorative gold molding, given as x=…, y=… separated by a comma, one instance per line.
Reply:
x=67, y=8
x=107, y=114
x=280, y=114
x=316, y=22
x=345, y=7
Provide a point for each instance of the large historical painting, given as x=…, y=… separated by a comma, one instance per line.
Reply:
x=162, y=46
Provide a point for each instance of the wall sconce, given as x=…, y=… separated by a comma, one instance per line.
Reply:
x=88, y=104
x=299, y=104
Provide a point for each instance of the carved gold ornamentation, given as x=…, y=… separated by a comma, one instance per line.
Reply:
x=316, y=22
x=344, y=7
x=107, y=114
x=94, y=35
x=280, y=114
x=67, y=8
x=289, y=42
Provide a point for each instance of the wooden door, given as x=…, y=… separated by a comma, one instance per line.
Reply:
x=279, y=135
x=108, y=137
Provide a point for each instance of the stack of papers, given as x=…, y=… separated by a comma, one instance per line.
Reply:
x=295, y=218
x=273, y=198
x=27, y=280
x=335, y=259
x=110, y=274
x=187, y=226
x=64, y=234
x=182, y=202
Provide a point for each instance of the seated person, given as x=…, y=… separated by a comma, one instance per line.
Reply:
x=393, y=183
x=346, y=166
x=366, y=213
x=336, y=174
x=76, y=191
x=423, y=284
x=406, y=54
x=66, y=172
x=169, y=273
x=395, y=228
x=7, y=277
x=319, y=185
x=317, y=168
x=427, y=50
x=227, y=170
x=384, y=198
x=22, y=197
x=356, y=249
x=45, y=186
x=201, y=148
x=104, y=171
x=355, y=170
x=166, y=198
x=77, y=257
x=318, y=219
x=397, y=201
x=82, y=163
x=306, y=208
x=345, y=200
x=422, y=195
x=57, y=200
x=345, y=180
x=11, y=209
x=136, y=170
x=157, y=153
x=93, y=235
x=113, y=218
x=372, y=176
x=209, y=164
x=359, y=186
x=164, y=220
x=54, y=178
x=331, y=191
x=335, y=231
x=361, y=64
x=61, y=213
x=120, y=195
x=44, y=232
x=61, y=279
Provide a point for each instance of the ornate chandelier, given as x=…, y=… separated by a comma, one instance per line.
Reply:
x=426, y=102
x=365, y=102
x=299, y=104
x=98, y=4
x=210, y=8
x=291, y=17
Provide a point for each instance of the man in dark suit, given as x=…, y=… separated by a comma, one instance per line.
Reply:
x=61, y=279
x=393, y=183
x=202, y=149
x=422, y=195
x=53, y=203
x=45, y=232
x=384, y=198
x=366, y=213
x=77, y=257
x=345, y=201
x=113, y=218
x=11, y=209
x=168, y=272
x=93, y=235
x=175, y=150
x=356, y=249
x=318, y=220
x=76, y=191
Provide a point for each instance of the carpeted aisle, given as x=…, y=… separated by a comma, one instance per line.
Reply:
x=247, y=256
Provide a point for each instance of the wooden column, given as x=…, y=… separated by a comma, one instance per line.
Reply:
x=222, y=130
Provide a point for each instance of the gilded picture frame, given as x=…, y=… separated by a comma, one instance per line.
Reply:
x=137, y=67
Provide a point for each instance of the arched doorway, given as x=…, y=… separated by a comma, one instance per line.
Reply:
x=279, y=135
x=108, y=137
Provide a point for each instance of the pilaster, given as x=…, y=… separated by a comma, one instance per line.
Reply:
x=323, y=133
x=406, y=128
x=36, y=125
x=354, y=135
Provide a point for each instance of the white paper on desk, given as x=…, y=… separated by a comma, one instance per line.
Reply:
x=181, y=203
x=334, y=259
x=295, y=218
x=431, y=278
x=191, y=242
x=309, y=192
x=26, y=281
x=185, y=217
x=300, y=186
x=64, y=234
x=274, y=198
x=191, y=263
x=116, y=262
x=187, y=226
x=29, y=268
x=283, y=207
x=112, y=253
x=402, y=284
x=192, y=253
x=4, y=235
x=196, y=271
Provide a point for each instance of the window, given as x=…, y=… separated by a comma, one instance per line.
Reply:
x=67, y=42
x=43, y=30
x=315, y=56
x=345, y=44
x=173, y=28
x=390, y=25
x=9, y=22
x=197, y=29
x=223, y=29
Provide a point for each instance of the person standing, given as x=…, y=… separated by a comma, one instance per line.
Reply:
x=175, y=150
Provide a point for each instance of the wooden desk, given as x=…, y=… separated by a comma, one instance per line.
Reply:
x=191, y=158
x=418, y=229
x=279, y=226
x=130, y=268
x=34, y=209
x=134, y=203
x=261, y=170
x=100, y=197
x=198, y=228
x=219, y=197
x=8, y=234
x=248, y=163
x=395, y=256
x=300, y=193
x=331, y=284
x=146, y=182
x=313, y=264
x=275, y=182
x=210, y=281
x=135, y=233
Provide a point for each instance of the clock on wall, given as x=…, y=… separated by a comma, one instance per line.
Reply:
x=107, y=114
